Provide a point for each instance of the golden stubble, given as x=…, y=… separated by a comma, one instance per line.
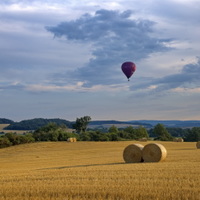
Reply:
x=96, y=170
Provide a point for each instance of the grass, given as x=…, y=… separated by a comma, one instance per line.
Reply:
x=96, y=170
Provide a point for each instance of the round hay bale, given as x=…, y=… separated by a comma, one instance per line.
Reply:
x=70, y=140
x=74, y=139
x=143, y=139
x=180, y=140
x=133, y=153
x=198, y=145
x=154, y=152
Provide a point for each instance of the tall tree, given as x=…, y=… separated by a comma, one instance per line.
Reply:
x=141, y=132
x=193, y=135
x=82, y=123
x=113, y=129
x=162, y=133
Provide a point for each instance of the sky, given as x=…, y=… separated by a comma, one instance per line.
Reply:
x=62, y=59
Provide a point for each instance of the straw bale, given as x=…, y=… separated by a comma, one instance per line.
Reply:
x=74, y=139
x=154, y=152
x=198, y=145
x=143, y=139
x=180, y=140
x=70, y=140
x=133, y=153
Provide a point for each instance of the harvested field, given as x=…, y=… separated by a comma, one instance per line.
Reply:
x=96, y=170
x=2, y=126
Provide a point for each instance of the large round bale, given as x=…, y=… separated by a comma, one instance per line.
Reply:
x=133, y=153
x=74, y=139
x=198, y=145
x=154, y=152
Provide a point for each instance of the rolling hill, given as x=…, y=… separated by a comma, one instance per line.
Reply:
x=33, y=124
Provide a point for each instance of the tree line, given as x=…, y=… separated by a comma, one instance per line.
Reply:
x=60, y=132
x=33, y=124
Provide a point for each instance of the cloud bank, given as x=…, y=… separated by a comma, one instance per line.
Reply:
x=115, y=37
x=188, y=79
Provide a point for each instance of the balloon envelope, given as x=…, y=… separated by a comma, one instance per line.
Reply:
x=128, y=68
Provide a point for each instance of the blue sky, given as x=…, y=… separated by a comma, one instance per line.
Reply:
x=62, y=59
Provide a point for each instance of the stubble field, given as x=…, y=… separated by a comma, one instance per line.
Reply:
x=96, y=171
x=2, y=126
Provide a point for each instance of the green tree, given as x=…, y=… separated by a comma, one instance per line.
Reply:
x=16, y=139
x=94, y=135
x=103, y=137
x=177, y=132
x=13, y=138
x=131, y=132
x=52, y=132
x=82, y=123
x=123, y=134
x=53, y=135
x=193, y=135
x=161, y=132
x=29, y=138
x=141, y=132
x=85, y=136
x=113, y=129
x=62, y=136
x=113, y=137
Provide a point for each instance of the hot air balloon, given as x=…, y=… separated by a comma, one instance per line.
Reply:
x=128, y=69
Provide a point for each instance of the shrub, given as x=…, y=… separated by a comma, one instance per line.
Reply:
x=4, y=142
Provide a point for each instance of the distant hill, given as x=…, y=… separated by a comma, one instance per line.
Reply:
x=6, y=121
x=33, y=124
x=173, y=123
x=107, y=123
x=146, y=123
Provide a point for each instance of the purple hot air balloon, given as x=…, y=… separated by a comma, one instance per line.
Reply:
x=128, y=68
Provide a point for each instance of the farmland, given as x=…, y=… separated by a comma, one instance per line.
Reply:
x=96, y=170
x=2, y=126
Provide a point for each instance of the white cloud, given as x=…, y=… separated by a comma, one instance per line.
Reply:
x=187, y=90
x=78, y=87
